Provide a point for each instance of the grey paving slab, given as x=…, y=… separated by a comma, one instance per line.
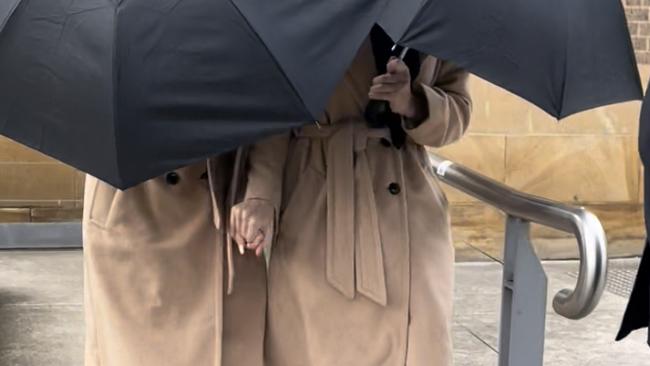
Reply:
x=469, y=350
x=592, y=338
x=41, y=277
x=41, y=313
x=41, y=320
x=586, y=342
x=41, y=335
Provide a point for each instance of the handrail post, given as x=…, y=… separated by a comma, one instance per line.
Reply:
x=591, y=239
x=523, y=305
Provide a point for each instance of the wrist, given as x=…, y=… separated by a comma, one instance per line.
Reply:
x=411, y=109
x=416, y=111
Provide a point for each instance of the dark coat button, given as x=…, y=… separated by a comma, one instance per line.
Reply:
x=172, y=178
x=394, y=188
x=386, y=142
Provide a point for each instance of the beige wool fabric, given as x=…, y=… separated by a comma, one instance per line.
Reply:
x=361, y=273
x=156, y=275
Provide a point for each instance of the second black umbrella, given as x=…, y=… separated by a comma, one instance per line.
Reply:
x=565, y=56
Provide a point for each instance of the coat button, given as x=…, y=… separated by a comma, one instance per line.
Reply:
x=385, y=142
x=172, y=178
x=394, y=188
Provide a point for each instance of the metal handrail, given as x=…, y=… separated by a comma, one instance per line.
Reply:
x=592, y=242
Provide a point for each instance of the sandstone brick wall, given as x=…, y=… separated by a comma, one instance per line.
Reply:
x=638, y=17
x=589, y=159
x=34, y=188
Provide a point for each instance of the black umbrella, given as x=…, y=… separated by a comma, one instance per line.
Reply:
x=565, y=56
x=127, y=90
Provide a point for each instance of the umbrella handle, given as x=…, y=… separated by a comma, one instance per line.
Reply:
x=402, y=54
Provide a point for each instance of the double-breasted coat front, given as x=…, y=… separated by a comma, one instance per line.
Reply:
x=157, y=273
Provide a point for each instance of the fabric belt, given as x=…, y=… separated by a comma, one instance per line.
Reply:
x=354, y=255
x=217, y=211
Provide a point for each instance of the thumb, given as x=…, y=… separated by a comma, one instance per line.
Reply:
x=395, y=66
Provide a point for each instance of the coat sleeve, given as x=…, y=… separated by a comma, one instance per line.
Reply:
x=449, y=108
x=265, y=169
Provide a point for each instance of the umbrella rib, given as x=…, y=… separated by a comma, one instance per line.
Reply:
x=275, y=60
x=11, y=11
x=415, y=17
x=560, y=108
x=115, y=108
x=423, y=3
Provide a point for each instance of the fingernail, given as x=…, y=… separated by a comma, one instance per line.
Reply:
x=241, y=249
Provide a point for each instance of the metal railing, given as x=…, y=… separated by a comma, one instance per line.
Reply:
x=524, y=281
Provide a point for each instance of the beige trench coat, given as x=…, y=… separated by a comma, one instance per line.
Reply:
x=361, y=273
x=156, y=275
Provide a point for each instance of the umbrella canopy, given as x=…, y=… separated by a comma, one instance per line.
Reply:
x=565, y=56
x=128, y=90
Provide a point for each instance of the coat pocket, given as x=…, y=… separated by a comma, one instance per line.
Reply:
x=101, y=203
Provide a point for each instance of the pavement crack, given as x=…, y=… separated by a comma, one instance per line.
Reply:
x=493, y=258
x=475, y=335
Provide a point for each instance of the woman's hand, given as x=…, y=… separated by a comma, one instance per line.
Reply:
x=395, y=87
x=252, y=224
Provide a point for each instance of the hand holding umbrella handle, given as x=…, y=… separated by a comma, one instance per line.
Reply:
x=376, y=108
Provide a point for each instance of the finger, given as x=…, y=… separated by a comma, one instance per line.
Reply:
x=241, y=243
x=264, y=243
x=259, y=251
x=245, y=223
x=232, y=229
x=397, y=66
x=235, y=228
x=382, y=96
x=239, y=235
x=386, y=88
x=390, y=79
x=259, y=239
x=238, y=241
x=252, y=230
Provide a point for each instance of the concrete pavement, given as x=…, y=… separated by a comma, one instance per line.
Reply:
x=41, y=319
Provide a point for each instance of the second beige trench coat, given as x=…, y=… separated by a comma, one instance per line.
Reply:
x=157, y=274
x=361, y=273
